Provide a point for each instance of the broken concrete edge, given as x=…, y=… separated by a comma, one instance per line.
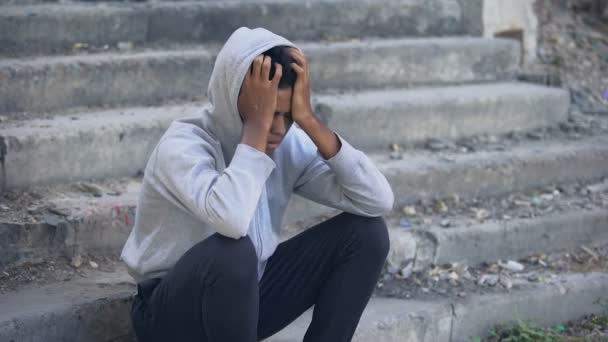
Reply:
x=105, y=309
x=489, y=242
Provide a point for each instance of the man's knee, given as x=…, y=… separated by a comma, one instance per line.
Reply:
x=372, y=232
x=235, y=259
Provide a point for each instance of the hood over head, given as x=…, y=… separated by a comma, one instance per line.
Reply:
x=221, y=116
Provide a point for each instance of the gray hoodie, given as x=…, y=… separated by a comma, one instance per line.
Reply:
x=200, y=179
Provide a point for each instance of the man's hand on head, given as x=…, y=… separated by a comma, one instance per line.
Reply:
x=257, y=102
x=301, y=109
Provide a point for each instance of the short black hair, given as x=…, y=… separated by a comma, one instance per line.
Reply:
x=280, y=54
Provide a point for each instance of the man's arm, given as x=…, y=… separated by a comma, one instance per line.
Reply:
x=184, y=169
x=336, y=174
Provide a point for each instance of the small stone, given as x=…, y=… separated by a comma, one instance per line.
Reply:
x=522, y=203
x=445, y=223
x=534, y=135
x=405, y=223
x=589, y=251
x=91, y=188
x=425, y=289
x=441, y=207
x=453, y=275
x=93, y=264
x=406, y=272
x=435, y=144
x=52, y=219
x=462, y=294
x=3, y=118
x=506, y=282
x=57, y=211
x=6, y=274
x=488, y=279
x=481, y=214
x=467, y=275
x=80, y=46
x=409, y=210
x=533, y=277
x=124, y=46
x=395, y=155
x=542, y=263
x=4, y=207
x=598, y=187
x=76, y=261
x=547, y=197
x=511, y=265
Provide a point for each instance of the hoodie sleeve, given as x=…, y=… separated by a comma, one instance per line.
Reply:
x=348, y=181
x=186, y=171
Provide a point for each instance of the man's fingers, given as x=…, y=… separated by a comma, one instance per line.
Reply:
x=278, y=73
x=266, y=68
x=298, y=69
x=257, y=65
x=298, y=56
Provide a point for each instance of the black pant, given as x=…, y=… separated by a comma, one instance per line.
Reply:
x=213, y=294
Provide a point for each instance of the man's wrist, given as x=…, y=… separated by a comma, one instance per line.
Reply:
x=255, y=134
x=308, y=121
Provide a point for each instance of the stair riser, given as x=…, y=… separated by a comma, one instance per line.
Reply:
x=28, y=31
x=153, y=78
x=115, y=147
x=379, y=120
x=102, y=232
x=104, y=320
x=493, y=241
x=100, y=151
x=549, y=305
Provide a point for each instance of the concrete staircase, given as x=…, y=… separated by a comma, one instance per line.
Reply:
x=87, y=88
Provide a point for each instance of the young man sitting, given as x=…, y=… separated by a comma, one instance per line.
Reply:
x=205, y=248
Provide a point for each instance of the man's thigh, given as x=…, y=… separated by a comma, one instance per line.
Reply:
x=296, y=271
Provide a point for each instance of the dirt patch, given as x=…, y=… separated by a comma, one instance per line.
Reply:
x=55, y=270
x=457, y=281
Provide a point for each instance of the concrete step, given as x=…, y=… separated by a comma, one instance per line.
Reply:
x=56, y=28
x=67, y=219
x=96, y=145
x=497, y=240
x=96, y=308
x=116, y=143
x=153, y=77
x=428, y=175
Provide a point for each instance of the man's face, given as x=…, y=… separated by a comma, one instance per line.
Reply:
x=282, y=119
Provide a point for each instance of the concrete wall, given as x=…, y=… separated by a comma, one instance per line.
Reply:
x=500, y=16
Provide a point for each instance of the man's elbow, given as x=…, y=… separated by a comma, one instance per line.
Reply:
x=387, y=201
x=233, y=228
